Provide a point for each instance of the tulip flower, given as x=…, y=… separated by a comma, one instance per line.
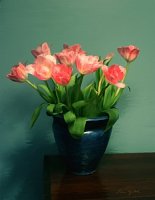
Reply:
x=76, y=48
x=42, y=68
x=68, y=55
x=61, y=74
x=108, y=58
x=87, y=64
x=114, y=75
x=18, y=73
x=42, y=49
x=129, y=53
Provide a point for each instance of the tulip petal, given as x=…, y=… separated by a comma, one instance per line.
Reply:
x=120, y=85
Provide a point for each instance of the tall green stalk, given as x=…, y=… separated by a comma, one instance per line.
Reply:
x=32, y=85
x=68, y=98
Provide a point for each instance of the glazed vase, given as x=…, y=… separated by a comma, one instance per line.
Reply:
x=82, y=155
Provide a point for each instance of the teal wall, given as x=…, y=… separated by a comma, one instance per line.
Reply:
x=100, y=26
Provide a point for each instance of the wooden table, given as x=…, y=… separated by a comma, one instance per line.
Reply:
x=118, y=177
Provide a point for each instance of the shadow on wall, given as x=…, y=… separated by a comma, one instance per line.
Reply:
x=22, y=151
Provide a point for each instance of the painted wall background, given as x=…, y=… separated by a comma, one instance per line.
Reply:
x=100, y=26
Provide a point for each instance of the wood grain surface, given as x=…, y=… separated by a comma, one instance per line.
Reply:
x=118, y=177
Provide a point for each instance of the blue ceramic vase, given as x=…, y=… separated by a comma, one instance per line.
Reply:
x=82, y=155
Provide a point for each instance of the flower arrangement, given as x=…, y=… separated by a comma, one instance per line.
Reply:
x=61, y=75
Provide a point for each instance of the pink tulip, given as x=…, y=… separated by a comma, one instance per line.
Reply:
x=87, y=64
x=69, y=54
x=18, y=73
x=108, y=58
x=66, y=57
x=114, y=74
x=129, y=53
x=76, y=48
x=42, y=68
x=42, y=49
x=61, y=74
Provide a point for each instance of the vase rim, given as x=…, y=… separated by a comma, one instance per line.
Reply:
x=104, y=117
x=98, y=118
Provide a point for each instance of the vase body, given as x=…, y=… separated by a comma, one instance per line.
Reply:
x=82, y=155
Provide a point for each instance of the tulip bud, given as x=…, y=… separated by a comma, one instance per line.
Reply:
x=129, y=53
x=18, y=73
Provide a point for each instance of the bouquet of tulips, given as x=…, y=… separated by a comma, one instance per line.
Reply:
x=61, y=76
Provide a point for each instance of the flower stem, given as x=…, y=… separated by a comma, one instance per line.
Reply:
x=67, y=97
x=77, y=95
x=32, y=85
x=100, y=84
x=48, y=86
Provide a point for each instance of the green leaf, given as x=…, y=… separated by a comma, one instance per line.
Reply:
x=89, y=91
x=50, y=109
x=36, y=114
x=46, y=98
x=91, y=109
x=70, y=88
x=45, y=93
x=107, y=97
x=55, y=109
x=60, y=93
x=77, y=107
x=77, y=128
x=116, y=98
x=69, y=117
x=72, y=81
x=79, y=80
x=79, y=104
x=113, y=114
x=98, y=75
x=44, y=88
x=60, y=108
x=74, y=88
